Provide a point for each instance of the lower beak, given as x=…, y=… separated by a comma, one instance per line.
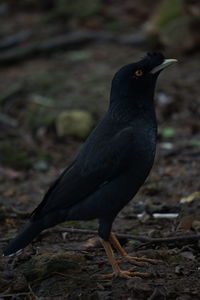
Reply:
x=166, y=63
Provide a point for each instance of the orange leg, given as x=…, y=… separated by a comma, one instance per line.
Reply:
x=116, y=269
x=138, y=261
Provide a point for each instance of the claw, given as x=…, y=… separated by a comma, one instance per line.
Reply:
x=138, y=261
x=134, y=260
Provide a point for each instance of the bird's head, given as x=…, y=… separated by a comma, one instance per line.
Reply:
x=137, y=80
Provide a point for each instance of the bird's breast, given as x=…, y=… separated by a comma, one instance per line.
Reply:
x=144, y=148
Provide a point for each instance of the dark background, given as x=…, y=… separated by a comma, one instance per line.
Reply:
x=57, y=59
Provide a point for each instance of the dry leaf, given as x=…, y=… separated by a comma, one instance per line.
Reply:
x=190, y=198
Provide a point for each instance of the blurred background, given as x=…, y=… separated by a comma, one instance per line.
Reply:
x=57, y=59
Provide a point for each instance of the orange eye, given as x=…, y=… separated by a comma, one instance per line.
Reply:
x=138, y=73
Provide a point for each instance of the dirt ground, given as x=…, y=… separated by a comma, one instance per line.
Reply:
x=60, y=264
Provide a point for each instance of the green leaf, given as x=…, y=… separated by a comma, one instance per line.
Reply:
x=195, y=143
x=167, y=132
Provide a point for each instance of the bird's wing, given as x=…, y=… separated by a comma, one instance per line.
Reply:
x=93, y=167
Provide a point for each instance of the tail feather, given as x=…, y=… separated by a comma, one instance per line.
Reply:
x=23, y=238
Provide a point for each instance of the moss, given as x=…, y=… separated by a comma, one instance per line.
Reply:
x=71, y=223
x=88, y=224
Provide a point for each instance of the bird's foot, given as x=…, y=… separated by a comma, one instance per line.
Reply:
x=126, y=274
x=117, y=271
x=139, y=261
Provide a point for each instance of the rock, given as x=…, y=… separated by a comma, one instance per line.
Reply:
x=166, y=146
x=178, y=270
x=188, y=255
x=41, y=165
x=76, y=123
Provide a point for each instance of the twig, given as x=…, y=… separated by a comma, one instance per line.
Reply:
x=19, y=212
x=8, y=120
x=15, y=294
x=6, y=239
x=70, y=40
x=191, y=237
x=66, y=41
x=31, y=292
x=15, y=39
x=154, y=295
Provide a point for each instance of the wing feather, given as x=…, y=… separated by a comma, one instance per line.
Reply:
x=94, y=166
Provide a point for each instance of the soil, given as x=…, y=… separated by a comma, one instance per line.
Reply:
x=68, y=265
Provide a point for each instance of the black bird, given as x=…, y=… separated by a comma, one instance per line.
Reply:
x=111, y=166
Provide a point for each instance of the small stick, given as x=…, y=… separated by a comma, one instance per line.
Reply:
x=186, y=237
x=154, y=295
x=15, y=294
x=5, y=239
x=140, y=238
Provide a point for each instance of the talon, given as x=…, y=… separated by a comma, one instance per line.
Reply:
x=117, y=271
x=140, y=260
x=133, y=261
x=107, y=276
x=140, y=274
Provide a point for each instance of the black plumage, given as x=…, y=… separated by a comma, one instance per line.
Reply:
x=113, y=162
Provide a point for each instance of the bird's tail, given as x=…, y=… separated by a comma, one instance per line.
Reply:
x=23, y=238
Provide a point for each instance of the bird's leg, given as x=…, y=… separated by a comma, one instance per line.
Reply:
x=138, y=261
x=117, y=272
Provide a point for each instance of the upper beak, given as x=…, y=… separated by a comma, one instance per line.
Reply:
x=165, y=63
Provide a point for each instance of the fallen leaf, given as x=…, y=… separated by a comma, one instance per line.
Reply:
x=9, y=173
x=188, y=254
x=10, y=222
x=92, y=243
x=185, y=223
x=190, y=198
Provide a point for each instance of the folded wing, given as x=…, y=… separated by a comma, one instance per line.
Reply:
x=93, y=167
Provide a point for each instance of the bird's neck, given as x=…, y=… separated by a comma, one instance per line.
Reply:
x=128, y=108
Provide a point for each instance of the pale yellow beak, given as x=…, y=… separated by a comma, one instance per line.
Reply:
x=166, y=63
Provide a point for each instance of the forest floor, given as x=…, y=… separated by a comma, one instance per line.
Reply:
x=60, y=264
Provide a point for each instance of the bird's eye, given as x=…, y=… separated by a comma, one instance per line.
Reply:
x=138, y=73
